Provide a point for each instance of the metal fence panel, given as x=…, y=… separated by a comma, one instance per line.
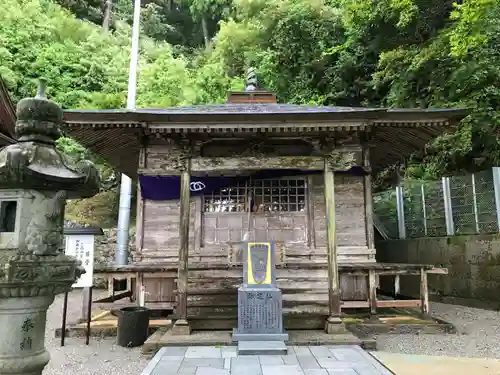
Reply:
x=485, y=199
x=472, y=201
x=434, y=208
x=384, y=206
x=415, y=221
x=462, y=204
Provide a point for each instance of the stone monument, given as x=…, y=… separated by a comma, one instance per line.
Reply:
x=35, y=181
x=260, y=304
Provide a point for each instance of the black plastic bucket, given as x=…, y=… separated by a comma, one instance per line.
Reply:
x=133, y=326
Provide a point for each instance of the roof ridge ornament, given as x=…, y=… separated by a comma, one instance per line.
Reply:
x=251, y=82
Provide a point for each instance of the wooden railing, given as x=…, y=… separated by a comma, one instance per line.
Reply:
x=374, y=270
x=160, y=280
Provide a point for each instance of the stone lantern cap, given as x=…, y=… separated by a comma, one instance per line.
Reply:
x=34, y=162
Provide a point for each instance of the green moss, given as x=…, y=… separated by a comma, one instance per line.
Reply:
x=100, y=210
x=353, y=320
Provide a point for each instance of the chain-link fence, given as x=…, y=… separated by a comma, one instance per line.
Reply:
x=385, y=212
x=453, y=205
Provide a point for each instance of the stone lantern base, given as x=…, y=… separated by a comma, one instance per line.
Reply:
x=28, y=288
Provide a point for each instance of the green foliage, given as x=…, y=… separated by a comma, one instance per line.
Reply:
x=394, y=53
x=458, y=67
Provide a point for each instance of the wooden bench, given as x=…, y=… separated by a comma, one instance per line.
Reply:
x=158, y=282
x=372, y=271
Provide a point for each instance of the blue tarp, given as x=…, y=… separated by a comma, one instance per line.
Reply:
x=161, y=188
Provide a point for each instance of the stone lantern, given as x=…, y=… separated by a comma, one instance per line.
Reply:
x=35, y=181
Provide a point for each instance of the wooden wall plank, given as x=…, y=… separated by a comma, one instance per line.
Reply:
x=349, y=205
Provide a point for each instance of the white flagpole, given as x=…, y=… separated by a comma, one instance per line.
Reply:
x=134, y=57
x=122, y=235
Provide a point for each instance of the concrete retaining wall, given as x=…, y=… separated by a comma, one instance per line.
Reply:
x=473, y=263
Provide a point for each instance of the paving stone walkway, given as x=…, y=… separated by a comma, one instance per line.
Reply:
x=301, y=360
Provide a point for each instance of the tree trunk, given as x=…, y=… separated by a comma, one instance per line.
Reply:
x=108, y=4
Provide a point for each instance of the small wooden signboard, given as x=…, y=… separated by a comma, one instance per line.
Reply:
x=80, y=243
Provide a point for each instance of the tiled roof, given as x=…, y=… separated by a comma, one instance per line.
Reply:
x=252, y=108
x=115, y=134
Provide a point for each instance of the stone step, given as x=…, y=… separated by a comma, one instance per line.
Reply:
x=164, y=337
x=259, y=336
x=262, y=348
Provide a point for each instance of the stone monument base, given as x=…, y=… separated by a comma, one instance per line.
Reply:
x=237, y=336
x=262, y=348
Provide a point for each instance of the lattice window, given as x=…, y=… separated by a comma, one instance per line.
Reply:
x=229, y=199
x=271, y=195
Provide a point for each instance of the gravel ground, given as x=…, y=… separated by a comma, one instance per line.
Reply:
x=101, y=357
x=478, y=336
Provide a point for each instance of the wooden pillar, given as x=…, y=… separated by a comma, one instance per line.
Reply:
x=424, y=292
x=139, y=233
x=334, y=323
x=84, y=316
x=372, y=288
x=181, y=326
x=370, y=231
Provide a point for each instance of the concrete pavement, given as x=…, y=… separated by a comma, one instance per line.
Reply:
x=300, y=360
x=402, y=364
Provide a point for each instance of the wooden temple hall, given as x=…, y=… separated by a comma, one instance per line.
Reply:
x=212, y=176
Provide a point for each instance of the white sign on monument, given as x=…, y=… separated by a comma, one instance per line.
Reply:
x=82, y=247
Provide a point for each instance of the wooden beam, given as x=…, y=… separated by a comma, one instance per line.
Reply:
x=397, y=287
x=198, y=223
x=333, y=276
x=139, y=284
x=181, y=326
x=438, y=271
x=370, y=233
x=372, y=290
x=311, y=233
x=355, y=304
x=242, y=164
x=111, y=291
x=116, y=297
x=139, y=221
x=424, y=292
x=86, y=296
x=232, y=165
x=150, y=305
x=401, y=303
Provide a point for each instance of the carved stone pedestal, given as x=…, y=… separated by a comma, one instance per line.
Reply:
x=23, y=324
x=26, y=292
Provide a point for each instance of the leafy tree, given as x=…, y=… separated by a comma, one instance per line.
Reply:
x=395, y=53
x=86, y=68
